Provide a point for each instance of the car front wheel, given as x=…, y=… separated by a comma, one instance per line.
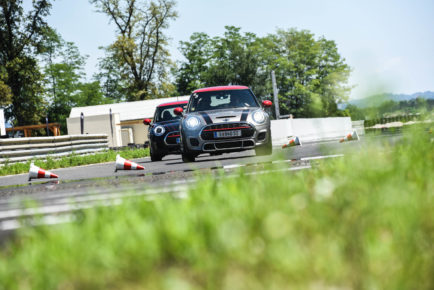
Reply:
x=187, y=157
x=155, y=155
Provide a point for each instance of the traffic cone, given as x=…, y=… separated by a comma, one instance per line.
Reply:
x=295, y=141
x=350, y=137
x=124, y=164
x=35, y=172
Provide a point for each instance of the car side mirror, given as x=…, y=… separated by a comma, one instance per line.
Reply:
x=147, y=121
x=178, y=111
x=267, y=104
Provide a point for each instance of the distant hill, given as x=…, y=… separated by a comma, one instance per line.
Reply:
x=377, y=100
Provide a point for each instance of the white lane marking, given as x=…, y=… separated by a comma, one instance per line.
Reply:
x=307, y=158
x=281, y=161
x=69, y=197
x=84, y=203
x=233, y=166
x=51, y=213
x=280, y=170
x=44, y=220
x=322, y=157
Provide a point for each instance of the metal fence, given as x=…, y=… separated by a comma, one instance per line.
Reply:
x=24, y=149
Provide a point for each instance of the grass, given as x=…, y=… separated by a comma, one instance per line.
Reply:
x=365, y=221
x=73, y=160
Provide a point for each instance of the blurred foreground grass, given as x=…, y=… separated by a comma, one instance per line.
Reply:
x=73, y=160
x=365, y=221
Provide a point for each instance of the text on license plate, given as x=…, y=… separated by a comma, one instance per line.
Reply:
x=225, y=134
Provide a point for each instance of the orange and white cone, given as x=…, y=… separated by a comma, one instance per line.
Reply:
x=295, y=141
x=124, y=164
x=35, y=172
x=350, y=137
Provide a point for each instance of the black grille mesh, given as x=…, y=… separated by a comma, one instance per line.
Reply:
x=246, y=130
x=171, y=138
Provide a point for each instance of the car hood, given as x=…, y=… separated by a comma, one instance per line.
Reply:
x=172, y=125
x=227, y=115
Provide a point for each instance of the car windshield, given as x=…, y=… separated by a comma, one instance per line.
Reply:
x=167, y=113
x=216, y=100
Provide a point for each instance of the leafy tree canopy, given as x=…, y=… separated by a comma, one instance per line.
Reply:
x=22, y=38
x=65, y=80
x=311, y=75
x=139, y=56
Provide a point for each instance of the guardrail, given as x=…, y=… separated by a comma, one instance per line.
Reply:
x=24, y=149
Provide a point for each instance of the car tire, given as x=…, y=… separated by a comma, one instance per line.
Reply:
x=187, y=158
x=266, y=149
x=155, y=155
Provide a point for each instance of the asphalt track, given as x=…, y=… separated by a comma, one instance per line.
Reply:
x=102, y=177
x=78, y=188
x=173, y=163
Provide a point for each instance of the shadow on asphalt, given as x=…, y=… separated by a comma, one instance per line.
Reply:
x=211, y=160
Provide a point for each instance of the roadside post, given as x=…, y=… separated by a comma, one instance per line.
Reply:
x=111, y=124
x=276, y=99
x=46, y=122
x=82, y=123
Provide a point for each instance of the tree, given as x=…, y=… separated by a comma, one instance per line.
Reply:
x=113, y=85
x=311, y=75
x=5, y=90
x=90, y=94
x=64, y=77
x=198, y=53
x=355, y=112
x=140, y=52
x=231, y=59
x=21, y=39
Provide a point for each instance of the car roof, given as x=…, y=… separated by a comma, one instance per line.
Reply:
x=221, y=88
x=173, y=103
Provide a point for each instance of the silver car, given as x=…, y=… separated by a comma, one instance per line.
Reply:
x=224, y=119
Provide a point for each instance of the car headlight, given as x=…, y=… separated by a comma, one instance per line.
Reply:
x=159, y=130
x=192, y=122
x=258, y=116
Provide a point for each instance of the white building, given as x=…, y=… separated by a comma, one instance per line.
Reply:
x=126, y=121
x=2, y=123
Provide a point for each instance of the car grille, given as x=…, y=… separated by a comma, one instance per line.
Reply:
x=208, y=132
x=171, y=138
x=229, y=145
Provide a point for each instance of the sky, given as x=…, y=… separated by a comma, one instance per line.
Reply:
x=388, y=44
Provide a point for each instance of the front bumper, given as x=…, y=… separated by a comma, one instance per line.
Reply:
x=167, y=143
x=201, y=141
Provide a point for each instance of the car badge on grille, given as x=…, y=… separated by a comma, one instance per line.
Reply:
x=226, y=120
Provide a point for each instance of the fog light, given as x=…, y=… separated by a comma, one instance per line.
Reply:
x=261, y=136
x=194, y=142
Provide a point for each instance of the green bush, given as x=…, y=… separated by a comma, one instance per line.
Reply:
x=364, y=221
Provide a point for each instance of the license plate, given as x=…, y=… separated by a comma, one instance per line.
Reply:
x=178, y=140
x=226, y=134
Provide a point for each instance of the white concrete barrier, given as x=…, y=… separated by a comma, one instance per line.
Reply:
x=310, y=130
x=24, y=149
